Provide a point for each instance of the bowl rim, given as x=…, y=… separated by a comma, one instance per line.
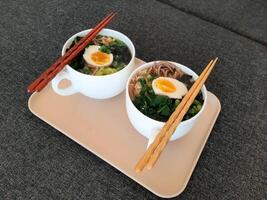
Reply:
x=82, y=33
x=178, y=65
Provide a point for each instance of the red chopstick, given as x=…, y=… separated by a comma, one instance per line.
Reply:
x=56, y=67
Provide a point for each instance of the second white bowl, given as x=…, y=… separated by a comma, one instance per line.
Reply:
x=149, y=127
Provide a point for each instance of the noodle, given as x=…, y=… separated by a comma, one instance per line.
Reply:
x=165, y=69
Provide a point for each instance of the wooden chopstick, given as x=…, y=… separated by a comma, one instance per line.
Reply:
x=154, y=157
x=50, y=73
x=145, y=158
x=142, y=162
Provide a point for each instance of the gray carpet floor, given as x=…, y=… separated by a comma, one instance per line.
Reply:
x=37, y=162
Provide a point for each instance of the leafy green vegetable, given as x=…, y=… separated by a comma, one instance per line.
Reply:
x=159, y=100
x=78, y=62
x=105, y=49
x=85, y=70
x=106, y=71
x=118, y=43
x=77, y=39
x=194, y=109
x=118, y=65
x=120, y=51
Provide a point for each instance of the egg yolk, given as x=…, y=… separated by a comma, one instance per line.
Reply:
x=165, y=86
x=100, y=58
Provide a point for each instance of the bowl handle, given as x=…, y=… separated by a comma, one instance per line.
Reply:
x=65, y=91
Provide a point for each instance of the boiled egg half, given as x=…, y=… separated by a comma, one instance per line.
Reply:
x=96, y=58
x=169, y=87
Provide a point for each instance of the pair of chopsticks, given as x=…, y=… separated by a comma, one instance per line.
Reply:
x=38, y=84
x=153, y=152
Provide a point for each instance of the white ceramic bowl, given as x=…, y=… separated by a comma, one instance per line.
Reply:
x=98, y=87
x=149, y=127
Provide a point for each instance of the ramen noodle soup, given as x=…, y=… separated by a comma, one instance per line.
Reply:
x=157, y=91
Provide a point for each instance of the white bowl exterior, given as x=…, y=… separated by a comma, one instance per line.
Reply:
x=101, y=87
x=147, y=126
